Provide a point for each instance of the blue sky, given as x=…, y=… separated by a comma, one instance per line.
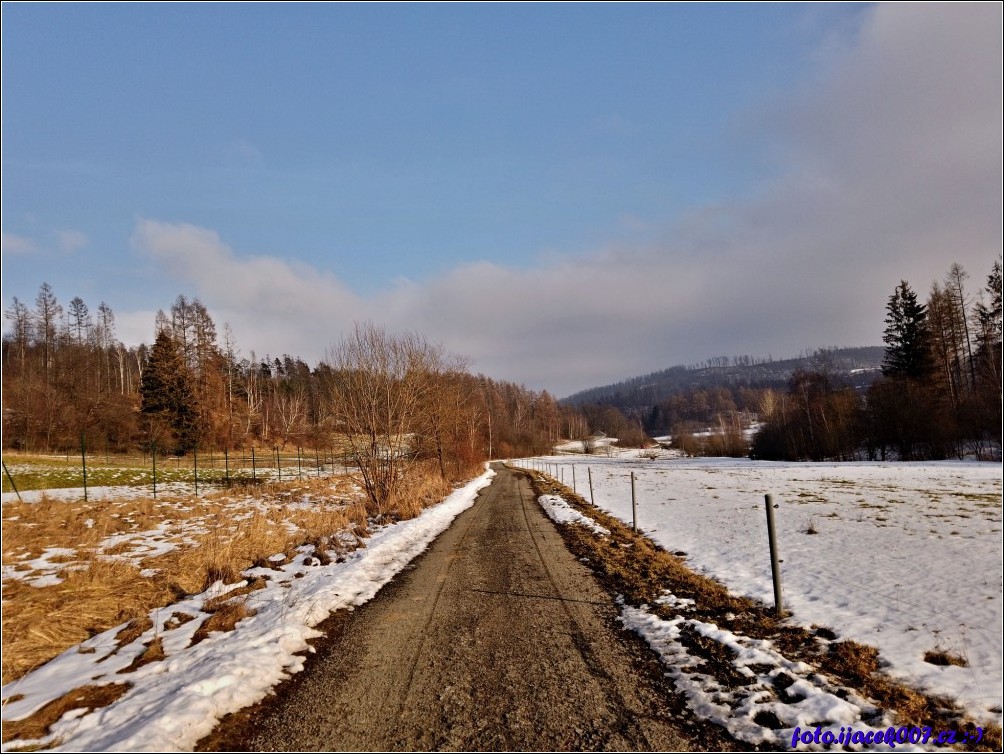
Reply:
x=568, y=194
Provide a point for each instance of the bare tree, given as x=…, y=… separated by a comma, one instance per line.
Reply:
x=47, y=313
x=378, y=387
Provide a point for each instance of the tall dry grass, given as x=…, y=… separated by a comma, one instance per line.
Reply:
x=227, y=534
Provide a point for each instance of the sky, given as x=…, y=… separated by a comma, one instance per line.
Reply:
x=566, y=194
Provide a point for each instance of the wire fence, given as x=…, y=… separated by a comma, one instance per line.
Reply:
x=198, y=469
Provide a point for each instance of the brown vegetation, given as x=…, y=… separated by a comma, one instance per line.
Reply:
x=68, y=378
x=98, y=592
x=37, y=724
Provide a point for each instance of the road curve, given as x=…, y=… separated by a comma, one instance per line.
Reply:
x=497, y=638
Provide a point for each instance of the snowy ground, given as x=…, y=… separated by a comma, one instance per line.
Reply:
x=906, y=556
x=177, y=699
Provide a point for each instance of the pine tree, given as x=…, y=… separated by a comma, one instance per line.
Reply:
x=907, y=352
x=168, y=401
x=988, y=319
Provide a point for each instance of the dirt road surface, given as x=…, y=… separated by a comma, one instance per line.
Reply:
x=497, y=638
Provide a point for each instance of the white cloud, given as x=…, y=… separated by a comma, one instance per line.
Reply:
x=12, y=244
x=273, y=305
x=891, y=168
x=71, y=240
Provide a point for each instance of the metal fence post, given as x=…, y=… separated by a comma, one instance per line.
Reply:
x=775, y=564
x=83, y=457
x=11, y=480
x=589, y=470
x=634, y=507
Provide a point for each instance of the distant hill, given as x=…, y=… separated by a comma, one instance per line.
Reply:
x=858, y=367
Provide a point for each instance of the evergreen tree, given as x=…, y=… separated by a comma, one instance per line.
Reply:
x=988, y=319
x=907, y=351
x=168, y=402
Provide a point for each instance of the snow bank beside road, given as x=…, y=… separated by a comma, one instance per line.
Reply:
x=903, y=556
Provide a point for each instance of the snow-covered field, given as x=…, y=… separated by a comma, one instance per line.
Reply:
x=905, y=556
x=176, y=699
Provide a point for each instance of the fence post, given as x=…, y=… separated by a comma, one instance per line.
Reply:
x=317, y=462
x=576, y=491
x=775, y=564
x=634, y=507
x=226, y=465
x=277, y=464
x=299, y=467
x=589, y=470
x=83, y=457
x=254, y=471
x=153, y=455
x=195, y=463
x=11, y=480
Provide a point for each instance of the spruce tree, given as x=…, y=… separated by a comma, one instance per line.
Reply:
x=168, y=401
x=907, y=350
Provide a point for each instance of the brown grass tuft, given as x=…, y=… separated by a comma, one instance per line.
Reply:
x=154, y=652
x=852, y=660
x=37, y=724
x=133, y=630
x=225, y=618
x=938, y=656
x=177, y=619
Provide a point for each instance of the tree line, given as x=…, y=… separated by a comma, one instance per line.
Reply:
x=65, y=373
x=939, y=395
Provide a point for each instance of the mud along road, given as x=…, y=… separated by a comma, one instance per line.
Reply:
x=495, y=638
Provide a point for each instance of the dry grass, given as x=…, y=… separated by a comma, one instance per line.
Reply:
x=153, y=652
x=37, y=725
x=226, y=534
x=224, y=618
x=943, y=657
x=635, y=567
x=422, y=487
x=217, y=536
x=38, y=623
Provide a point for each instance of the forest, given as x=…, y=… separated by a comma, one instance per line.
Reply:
x=932, y=392
x=939, y=395
x=67, y=377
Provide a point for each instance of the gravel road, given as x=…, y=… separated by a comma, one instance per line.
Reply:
x=497, y=638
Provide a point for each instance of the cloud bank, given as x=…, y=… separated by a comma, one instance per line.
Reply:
x=887, y=167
